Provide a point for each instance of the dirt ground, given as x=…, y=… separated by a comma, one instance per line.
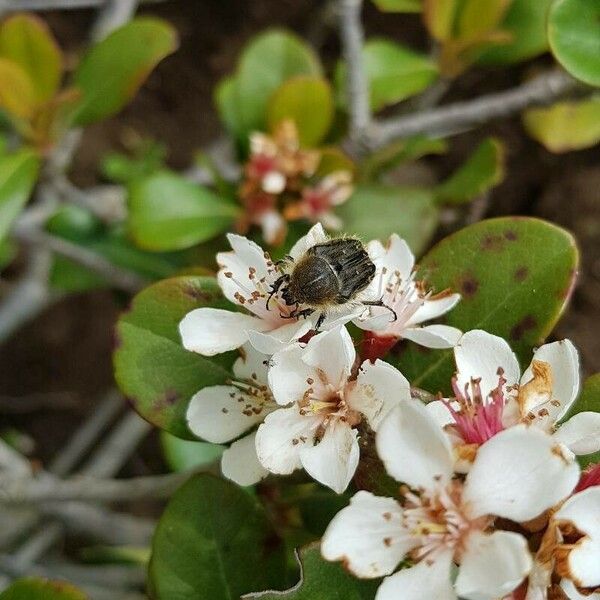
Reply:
x=63, y=357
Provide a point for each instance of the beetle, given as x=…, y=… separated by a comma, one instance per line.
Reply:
x=327, y=276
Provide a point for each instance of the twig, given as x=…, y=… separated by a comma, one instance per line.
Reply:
x=462, y=116
x=113, y=14
x=19, y=489
x=357, y=84
x=20, y=5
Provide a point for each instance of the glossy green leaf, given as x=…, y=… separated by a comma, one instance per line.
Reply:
x=308, y=101
x=182, y=455
x=152, y=368
x=394, y=73
x=515, y=275
x=168, y=212
x=42, y=589
x=18, y=174
x=214, y=541
x=322, y=580
x=399, y=6
x=525, y=21
x=268, y=61
x=17, y=94
x=439, y=17
x=27, y=41
x=473, y=23
x=574, y=36
x=565, y=126
x=376, y=211
x=112, y=71
x=483, y=170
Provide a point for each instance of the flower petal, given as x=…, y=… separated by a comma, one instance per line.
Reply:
x=434, y=336
x=211, y=331
x=249, y=253
x=290, y=377
x=221, y=413
x=316, y=235
x=251, y=365
x=240, y=462
x=368, y=536
x=378, y=388
x=439, y=411
x=279, y=338
x=564, y=362
x=334, y=459
x=493, y=565
x=397, y=256
x=583, y=511
x=518, y=474
x=413, y=447
x=581, y=433
x=434, y=308
x=427, y=579
x=573, y=593
x=479, y=354
x=281, y=437
x=333, y=354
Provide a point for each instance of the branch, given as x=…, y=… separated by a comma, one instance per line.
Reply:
x=462, y=116
x=20, y=5
x=358, y=85
x=113, y=14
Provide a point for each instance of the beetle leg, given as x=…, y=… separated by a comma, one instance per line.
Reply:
x=320, y=321
x=305, y=313
x=276, y=286
x=380, y=303
x=293, y=314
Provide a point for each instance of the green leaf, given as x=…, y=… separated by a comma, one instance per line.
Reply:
x=182, y=455
x=26, y=41
x=574, y=36
x=515, y=275
x=308, y=101
x=18, y=174
x=565, y=126
x=17, y=94
x=112, y=71
x=42, y=589
x=525, y=21
x=323, y=580
x=226, y=102
x=168, y=212
x=394, y=73
x=483, y=170
x=399, y=6
x=152, y=368
x=214, y=541
x=268, y=61
x=376, y=211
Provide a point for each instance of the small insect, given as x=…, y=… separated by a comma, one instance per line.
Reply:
x=328, y=276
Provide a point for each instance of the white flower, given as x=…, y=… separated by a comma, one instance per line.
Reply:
x=517, y=475
x=491, y=394
x=222, y=413
x=412, y=303
x=322, y=406
x=246, y=276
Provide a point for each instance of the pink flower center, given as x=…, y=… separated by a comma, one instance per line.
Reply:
x=477, y=419
x=589, y=478
x=317, y=201
x=261, y=164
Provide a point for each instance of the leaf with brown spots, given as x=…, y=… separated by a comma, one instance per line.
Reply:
x=152, y=368
x=512, y=273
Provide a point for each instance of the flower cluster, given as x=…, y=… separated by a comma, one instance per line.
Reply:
x=281, y=183
x=490, y=503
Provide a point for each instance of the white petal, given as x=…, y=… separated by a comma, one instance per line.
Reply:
x=573, y=594
x=334, y=459
x=493, y=565
x=396, y=256
x=426, y=580
x=210, y=331
x=564, y=361
x=434, y=308
x=439, y=411
x=279, y=338
x=251, y=365
x=249, y=253
x=518, y=474
x=333, y=353
x=316, y=235
x=581, y=433
x=479, y=354
x=413, y=447
x=273, y=226
x=290, y=377
x=378, y=388
x=434, y=336
x=273, y=182
x=583, y=511
x=281, y=437
x=215, y=413
x=240, y=462
x=368, y=536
